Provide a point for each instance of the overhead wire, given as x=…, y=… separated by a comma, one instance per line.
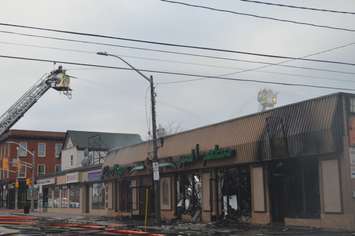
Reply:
x=175, y=45
x=260, y=17
x=282, y=62
x=299, y=7
x=183, y=53
x=178, y=73
x=179, y=62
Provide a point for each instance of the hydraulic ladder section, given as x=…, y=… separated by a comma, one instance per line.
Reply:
x=57, y=79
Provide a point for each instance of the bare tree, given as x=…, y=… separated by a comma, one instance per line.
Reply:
x=168, y=129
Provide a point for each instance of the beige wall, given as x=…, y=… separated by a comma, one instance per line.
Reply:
x=225, y=134
x=260, y=196
x=206, y=198
x=330, y=180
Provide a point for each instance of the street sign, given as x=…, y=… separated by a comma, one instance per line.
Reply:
x=156, y=171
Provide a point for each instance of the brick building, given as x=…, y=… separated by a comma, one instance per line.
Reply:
x=46, y=146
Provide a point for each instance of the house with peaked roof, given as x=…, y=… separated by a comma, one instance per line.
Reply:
x=83, y=148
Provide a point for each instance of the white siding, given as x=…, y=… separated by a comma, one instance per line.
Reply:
x=68, y=151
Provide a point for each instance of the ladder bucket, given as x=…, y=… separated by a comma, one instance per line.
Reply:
x=62, y=82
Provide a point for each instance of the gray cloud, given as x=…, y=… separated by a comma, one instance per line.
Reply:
x=111, y=100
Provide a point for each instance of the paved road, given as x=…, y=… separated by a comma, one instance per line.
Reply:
x=56, y=224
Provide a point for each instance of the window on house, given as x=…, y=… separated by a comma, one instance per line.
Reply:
x=58, y=149
x=57, y=168
x=41, y=170
x=22, y=172
x=71, y=160
x=22, y=149
x=41, y=149
x=352, y=105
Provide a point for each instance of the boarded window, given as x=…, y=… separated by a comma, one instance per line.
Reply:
x=258, y=189
x=331, y=186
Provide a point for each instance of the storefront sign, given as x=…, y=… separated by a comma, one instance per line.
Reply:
x=219, y=153
x=72, y=178
x=115, y=171
x=94, y=175
x=61, y=179
x=46, y=181
x=189, y=158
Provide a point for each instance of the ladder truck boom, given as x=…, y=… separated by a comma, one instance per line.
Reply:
x=57, y=79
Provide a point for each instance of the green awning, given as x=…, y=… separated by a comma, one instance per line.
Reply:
x=137, y=168
x=167, y=165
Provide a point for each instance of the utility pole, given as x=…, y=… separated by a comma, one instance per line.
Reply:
x=33, y=181
x=156, y=177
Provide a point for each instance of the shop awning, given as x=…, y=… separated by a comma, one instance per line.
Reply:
x=137, y=168
x=167, y=165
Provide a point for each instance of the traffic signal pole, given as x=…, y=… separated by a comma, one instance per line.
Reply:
x=33, y=181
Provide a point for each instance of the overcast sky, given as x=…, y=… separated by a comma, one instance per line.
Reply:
x=115, y=101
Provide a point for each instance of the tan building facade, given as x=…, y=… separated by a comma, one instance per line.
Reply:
x=293, y=165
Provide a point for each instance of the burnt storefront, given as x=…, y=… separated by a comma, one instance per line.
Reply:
x=292, y=165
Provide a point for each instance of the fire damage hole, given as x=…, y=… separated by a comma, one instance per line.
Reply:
x=189, y=197
x=235, y=194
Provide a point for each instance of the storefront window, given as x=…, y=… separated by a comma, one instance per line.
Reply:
x=98, y=196
x=50, y=198
x=74, y=196
x=56, y=198
x=64, y=197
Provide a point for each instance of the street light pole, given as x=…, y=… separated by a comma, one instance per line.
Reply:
x=156, y=178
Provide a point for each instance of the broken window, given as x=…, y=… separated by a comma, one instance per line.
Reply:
x=294, y=187
x=234, y=193
x=189, y=195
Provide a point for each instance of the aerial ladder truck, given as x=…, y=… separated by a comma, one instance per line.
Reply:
x=57, y=79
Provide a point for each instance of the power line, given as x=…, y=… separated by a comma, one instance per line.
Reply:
x=261, y=17
x=175, y=45
x=180, y=62
x=186, y=54
x=299, y=7
x=282, y=62
x=177, y=73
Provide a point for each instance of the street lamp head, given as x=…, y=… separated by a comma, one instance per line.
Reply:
x=102, y=53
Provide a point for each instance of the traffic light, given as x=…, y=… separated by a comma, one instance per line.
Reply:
x=17, y=184
x=5, y=164
x=28, y=182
